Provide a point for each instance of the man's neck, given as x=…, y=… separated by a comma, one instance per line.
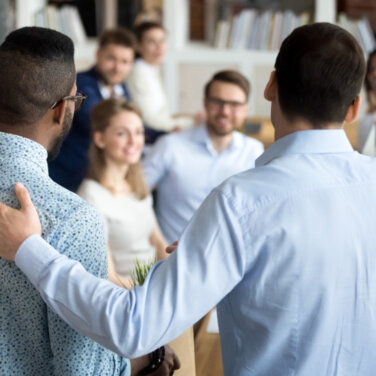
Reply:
x=114, y=178
x=220, y=142
x=26, y=131
x=283, y=127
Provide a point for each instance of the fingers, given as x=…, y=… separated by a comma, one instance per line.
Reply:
x=171, y=248
x=176, y=364
x=23, y=197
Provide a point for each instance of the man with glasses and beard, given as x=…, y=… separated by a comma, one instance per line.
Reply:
x=186, y=166
x=38, y=96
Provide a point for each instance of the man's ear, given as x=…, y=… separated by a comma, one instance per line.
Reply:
x=353, y=111
x=98, y=140
x=59, y=113
x=271, y=87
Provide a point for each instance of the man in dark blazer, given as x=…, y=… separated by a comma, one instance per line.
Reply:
x=114, y=61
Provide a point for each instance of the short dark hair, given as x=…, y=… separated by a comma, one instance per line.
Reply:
x=144, y=27
x=320, y=69
x=119, y=36
x=36, y=70
x=231, y=77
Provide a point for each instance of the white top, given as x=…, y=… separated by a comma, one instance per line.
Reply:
x=129, y=223
x=145, y=86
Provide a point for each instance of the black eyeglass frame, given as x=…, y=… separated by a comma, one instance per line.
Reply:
x=220, y=103
x=78, y=99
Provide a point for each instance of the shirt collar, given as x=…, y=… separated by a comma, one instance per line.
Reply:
x=13, y=146
x=117, y=90
x=307, y=142
x=201, y=136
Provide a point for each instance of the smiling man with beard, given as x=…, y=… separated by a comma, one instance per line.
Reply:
x=186, y=166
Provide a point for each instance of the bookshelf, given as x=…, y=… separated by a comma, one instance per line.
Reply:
x=25, y=15
x=189, y=65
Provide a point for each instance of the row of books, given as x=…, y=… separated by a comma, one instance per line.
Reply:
x=65, y=19
x=257, y=30
x=361, y=29
x=252, y=29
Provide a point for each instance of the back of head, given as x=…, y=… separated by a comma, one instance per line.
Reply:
x=36, y=70
x=320, y=70
x=230, y=77
x=119, y=36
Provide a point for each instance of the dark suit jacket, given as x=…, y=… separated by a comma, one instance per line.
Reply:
x=70, y=167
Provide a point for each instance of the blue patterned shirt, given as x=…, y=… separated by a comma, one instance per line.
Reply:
x=33, y=339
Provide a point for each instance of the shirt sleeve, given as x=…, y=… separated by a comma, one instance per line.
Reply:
x=157, y=161
x=73, y=353
x=208, y=263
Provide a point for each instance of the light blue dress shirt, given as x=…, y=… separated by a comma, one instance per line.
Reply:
x=34, y=341
x=285, y=250
x=186, y=167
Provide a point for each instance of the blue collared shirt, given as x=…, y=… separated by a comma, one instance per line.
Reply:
x=33, y=339
x=186, y=167
x=285, y=250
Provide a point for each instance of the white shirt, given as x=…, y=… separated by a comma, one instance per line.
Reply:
x=145, y=86
x=129, y=224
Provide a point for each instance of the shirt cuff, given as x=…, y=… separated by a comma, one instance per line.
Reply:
x=33, y=255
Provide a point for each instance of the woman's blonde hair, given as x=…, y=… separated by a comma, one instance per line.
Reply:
x=101, y=115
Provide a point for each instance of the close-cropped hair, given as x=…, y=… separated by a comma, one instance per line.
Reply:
x=36, y=70
x=101, y=115
x=231, y=77
x=118, y=36
x=320, y=69
x=144, y=27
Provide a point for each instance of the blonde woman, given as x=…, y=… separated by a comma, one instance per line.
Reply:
x=116, y=187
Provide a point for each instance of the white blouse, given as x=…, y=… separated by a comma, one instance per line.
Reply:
x=129, y=224
x=145, y=86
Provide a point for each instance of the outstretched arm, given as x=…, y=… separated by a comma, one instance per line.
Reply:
x=17, y=225
x=209, y=262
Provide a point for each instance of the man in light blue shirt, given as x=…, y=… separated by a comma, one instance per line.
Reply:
x=38, y=96
x=285, y=250
x=186, y=166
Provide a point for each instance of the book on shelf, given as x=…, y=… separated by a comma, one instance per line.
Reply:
x=360, y=29
x=65, y=19
x=257, y=30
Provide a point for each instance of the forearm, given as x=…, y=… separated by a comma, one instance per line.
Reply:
x=207, y=265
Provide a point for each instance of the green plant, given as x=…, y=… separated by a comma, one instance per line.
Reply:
x=140, y=271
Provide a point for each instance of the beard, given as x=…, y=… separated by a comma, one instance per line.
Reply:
x=217, y=130
x=67, y=123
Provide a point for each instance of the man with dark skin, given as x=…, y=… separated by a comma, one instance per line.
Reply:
x=38, y=97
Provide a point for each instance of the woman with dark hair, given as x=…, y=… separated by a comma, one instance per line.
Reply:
x=145, y=81
x=368, y=120
x=115, y=186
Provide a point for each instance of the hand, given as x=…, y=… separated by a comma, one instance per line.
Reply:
x=170, y=363
x=171, y=248
x=17, y=225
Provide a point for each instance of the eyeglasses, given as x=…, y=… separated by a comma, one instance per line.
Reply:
x=78, y=99
x=218, y=103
